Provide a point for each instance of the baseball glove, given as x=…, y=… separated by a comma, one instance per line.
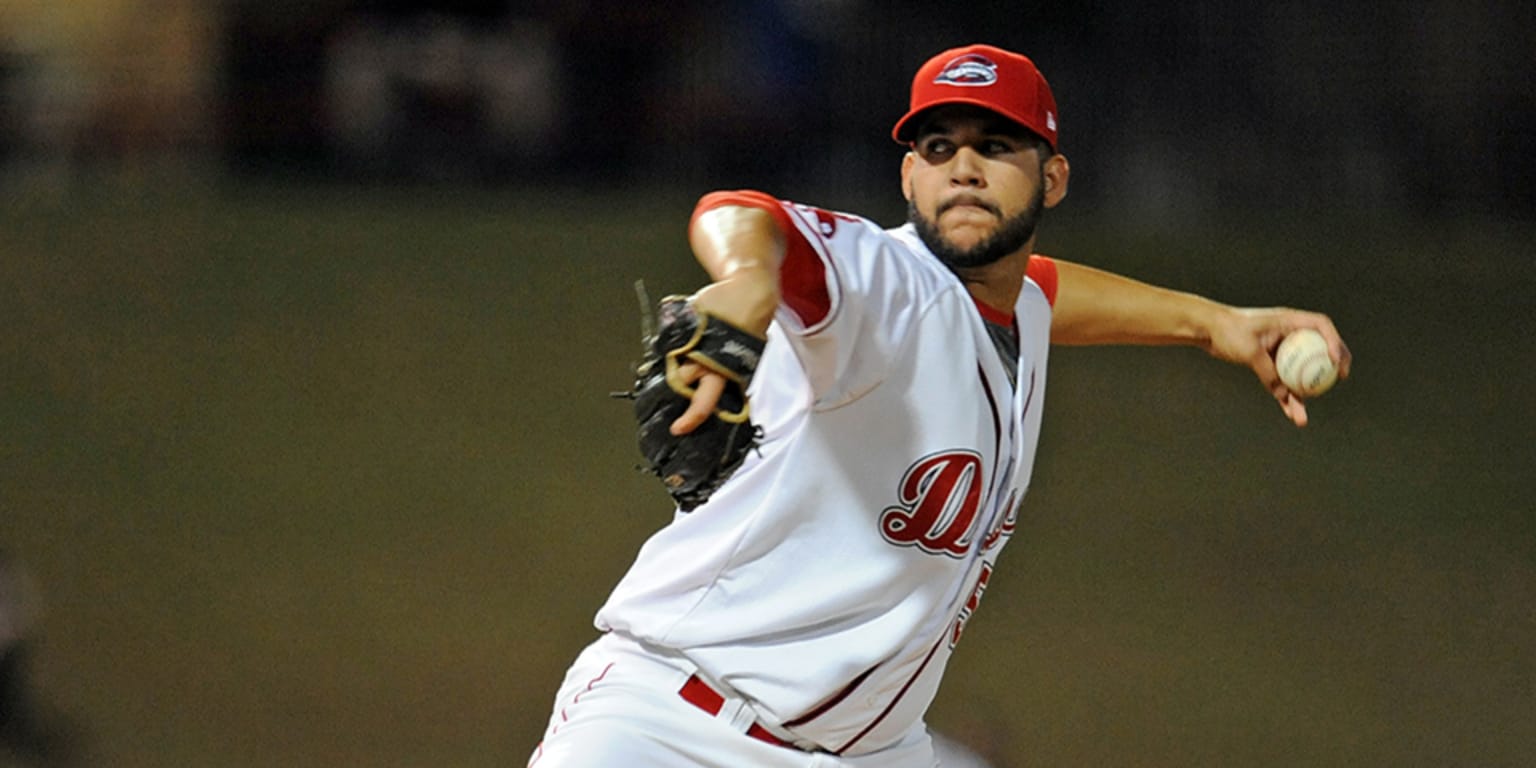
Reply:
x=693, y=466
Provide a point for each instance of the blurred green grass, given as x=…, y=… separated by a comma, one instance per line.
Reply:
x=322, y=475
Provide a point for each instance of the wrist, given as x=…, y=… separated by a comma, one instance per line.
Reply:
x=1207, y=319
x=1220, y=325
x=745, y=297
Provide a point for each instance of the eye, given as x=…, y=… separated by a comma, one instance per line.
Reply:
x=994, y=147
x=936, y=149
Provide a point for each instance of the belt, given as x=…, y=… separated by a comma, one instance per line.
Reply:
x=698, y=693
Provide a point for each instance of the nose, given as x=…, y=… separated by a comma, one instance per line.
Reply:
x=965, y=168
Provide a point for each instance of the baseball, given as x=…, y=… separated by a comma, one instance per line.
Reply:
x=1303, y=363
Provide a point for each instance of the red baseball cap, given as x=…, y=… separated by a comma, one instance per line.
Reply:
x=984, y=76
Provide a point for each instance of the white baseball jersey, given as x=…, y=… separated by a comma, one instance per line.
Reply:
x=828, y=582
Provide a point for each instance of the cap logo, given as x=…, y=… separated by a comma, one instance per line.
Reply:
x=968, y=70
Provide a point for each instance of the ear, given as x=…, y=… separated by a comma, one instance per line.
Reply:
x=1056, y=173
x=906, y=175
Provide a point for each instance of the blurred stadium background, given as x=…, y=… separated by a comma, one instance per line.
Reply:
x=309, y=311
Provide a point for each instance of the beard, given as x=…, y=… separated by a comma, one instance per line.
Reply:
x=1011, y=235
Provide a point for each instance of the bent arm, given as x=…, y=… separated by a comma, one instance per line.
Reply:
x=741, y=248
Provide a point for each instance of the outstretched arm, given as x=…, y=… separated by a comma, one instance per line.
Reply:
x=1098, y=307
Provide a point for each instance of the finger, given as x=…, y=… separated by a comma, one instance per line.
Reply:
x=1344, y=359
x=1337, y=349
x=688, y=375
x=706, y=395
x=1263, y=366
x=1294, y=409
x=1290, y=404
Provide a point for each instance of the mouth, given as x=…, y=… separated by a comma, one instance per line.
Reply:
x=968, y=201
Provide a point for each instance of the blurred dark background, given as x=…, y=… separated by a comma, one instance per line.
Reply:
x=1419, y=107
x=309, y=310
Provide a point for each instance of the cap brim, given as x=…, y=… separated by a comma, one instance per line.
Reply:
x=906, y=128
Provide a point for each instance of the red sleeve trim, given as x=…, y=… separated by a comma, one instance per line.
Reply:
x=802, y=276
x=1042, y=270
x=743, y=197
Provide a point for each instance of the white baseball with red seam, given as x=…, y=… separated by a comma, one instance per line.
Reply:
x=1303, y=363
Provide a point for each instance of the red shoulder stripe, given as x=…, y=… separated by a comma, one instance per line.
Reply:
x=1042, y=270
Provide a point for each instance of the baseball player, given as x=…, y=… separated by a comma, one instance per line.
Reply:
x=803, y=614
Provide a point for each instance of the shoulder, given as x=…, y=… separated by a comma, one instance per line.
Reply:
x=1041, y=271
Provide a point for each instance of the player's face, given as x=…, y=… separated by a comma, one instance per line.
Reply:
x=976, y=185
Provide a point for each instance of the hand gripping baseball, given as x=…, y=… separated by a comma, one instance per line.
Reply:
x=1250, y=337
x=693, y=465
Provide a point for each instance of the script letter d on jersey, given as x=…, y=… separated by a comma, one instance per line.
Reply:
x=937, y=504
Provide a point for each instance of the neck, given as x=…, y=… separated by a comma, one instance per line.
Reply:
x=997, y=284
